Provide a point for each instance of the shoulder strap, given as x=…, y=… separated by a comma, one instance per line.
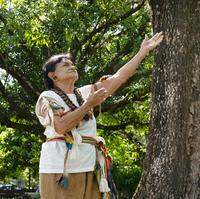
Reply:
x=65, y=99
x=70, y=103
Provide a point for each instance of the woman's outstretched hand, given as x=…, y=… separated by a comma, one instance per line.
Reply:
x=97, y=97
x=149, y=44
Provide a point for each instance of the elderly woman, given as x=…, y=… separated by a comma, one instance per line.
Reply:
x=68, y=157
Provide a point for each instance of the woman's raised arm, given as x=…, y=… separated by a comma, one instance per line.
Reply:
x=112, y=83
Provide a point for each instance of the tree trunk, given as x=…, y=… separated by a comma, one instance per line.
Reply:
x=172, y=164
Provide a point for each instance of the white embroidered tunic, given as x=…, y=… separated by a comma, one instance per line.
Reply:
x=82, y=157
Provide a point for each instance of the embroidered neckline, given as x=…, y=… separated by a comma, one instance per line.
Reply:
x=69, y=102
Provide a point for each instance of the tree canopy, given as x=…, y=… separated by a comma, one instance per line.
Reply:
x=101, y=36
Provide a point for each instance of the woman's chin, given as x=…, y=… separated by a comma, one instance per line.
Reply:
x=76, y=78
x=73, y=77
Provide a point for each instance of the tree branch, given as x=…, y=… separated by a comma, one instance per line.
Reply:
x=20, y=77
x=131, y=138
x=14, y=104
x=122, y=103
x=35, y=129
x=135, y=78
x=108, y=24
x=79, y=44
x=111, y=67
x=120, y=126
x=8, y=123
x=3, y=19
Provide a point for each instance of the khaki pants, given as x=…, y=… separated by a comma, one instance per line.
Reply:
x=81, y=186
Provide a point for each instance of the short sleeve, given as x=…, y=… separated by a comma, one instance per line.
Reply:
x=44, y=112
x=85, y=90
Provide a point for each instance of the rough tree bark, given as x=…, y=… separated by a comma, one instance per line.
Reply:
x=172, y=164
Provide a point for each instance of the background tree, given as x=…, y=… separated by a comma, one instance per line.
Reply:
x=102, y=36
x=172, y=165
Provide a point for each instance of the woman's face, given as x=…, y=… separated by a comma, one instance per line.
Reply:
x=65, y=70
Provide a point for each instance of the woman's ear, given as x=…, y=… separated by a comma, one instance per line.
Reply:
x=51, y=75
